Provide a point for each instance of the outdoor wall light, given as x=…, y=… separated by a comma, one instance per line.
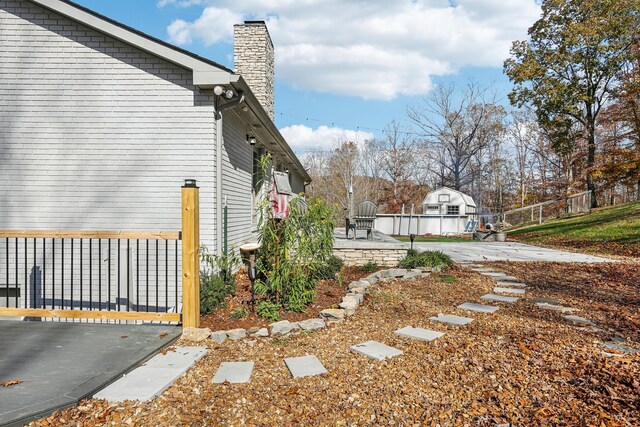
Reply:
x=229, y=94
x=218, y=90
x=251, y=139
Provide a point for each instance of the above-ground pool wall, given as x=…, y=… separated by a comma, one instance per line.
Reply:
x=403, y=225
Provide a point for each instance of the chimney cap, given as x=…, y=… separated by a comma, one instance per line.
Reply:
x=255, y=23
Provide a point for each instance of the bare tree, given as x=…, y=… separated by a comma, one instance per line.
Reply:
x=457, y=128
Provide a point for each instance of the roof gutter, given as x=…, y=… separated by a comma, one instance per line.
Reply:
x=240, y=85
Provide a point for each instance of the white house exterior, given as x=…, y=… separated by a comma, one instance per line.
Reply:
x=100, y=125
x=445, y=211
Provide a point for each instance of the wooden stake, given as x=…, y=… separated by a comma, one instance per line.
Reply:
x=190, y=255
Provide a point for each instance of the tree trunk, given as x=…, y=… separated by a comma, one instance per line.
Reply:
x=591, y=160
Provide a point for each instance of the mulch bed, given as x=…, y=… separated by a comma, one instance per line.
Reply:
x=329, y=294
x=520, y=365
x=631, y=249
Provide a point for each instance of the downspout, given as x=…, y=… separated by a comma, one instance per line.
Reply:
x=219, y=199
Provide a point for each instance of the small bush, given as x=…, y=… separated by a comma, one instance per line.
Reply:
x=369, y=267
x=436, y=260
x=239, y=312
x=269, y=310
x=329, y=270
x=213, y=291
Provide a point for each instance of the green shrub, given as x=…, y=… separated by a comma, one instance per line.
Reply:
x=436, y=260
x=369, y=267
x=269, y=310
x=213, y=291
x=293, y=250
x=216, y=279
x=329, y=270
x=239, y=312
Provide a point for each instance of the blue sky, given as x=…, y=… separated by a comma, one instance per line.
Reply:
x=345, y=69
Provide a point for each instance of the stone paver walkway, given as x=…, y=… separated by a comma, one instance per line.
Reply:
x=499, y=290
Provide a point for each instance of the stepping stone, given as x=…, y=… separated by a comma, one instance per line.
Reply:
x=499, y=298
x=451, y=319
x=481, y=308
x=513, y=284
x=233, y=372
x=482, y=269
x=418, y=333
x=474, y=266
x=560, y=308
x=376, y=350
x=509, y=278
x=545, y=301
x=304, y=366
x=154, y=377
x=494, y=274
x=509, y=291
x=622, y=348
x=577, y=320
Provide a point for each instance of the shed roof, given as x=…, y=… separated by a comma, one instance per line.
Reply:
x=468, y=200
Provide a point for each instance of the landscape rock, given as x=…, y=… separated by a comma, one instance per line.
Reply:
x=262, y=332
x=411, y=275
x=357, y=296
x=359, y=284
x=560, y=308
x=397, y=272
x=359, y=291
x=372, y=280
x=252, y=330
x=236, y=334
x=219, y=336
x=349, y=304
x=195, y=334
x=311, y=324
x=283, y=327
x=333, y=314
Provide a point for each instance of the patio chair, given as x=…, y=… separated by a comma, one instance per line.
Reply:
x=363, y=218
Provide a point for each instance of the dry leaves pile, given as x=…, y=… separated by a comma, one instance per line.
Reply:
x=521, y=365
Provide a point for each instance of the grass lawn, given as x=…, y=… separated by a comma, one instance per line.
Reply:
x=434, y=239
x=610, y=230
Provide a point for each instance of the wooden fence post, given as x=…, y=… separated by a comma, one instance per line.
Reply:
x=190, y=255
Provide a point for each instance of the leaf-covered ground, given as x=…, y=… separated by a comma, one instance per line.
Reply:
x=521, y=365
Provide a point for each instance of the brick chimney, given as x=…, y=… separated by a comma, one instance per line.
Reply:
x=254, y=57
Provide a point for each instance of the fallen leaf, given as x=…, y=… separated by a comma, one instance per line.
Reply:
x=10, y=383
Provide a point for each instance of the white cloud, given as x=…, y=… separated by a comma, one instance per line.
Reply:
x=210, y=27
x=302, y=138
x=373, y=49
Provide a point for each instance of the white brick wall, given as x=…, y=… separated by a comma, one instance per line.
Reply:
x=95, y=134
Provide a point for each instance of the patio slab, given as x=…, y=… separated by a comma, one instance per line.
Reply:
x=418, y=333
x=154, y=377
x=452, y=319
x=305, y=366
x=376, y=350
x=480, y=308
x=62, y=363
x=499, y=298
x=233, y=372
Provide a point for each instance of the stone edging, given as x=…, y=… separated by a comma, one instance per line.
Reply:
x=350, y=302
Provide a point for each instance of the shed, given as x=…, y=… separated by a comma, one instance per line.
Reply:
x=449, y=202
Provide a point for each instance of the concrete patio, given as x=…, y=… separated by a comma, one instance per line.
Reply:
x=505, y=251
